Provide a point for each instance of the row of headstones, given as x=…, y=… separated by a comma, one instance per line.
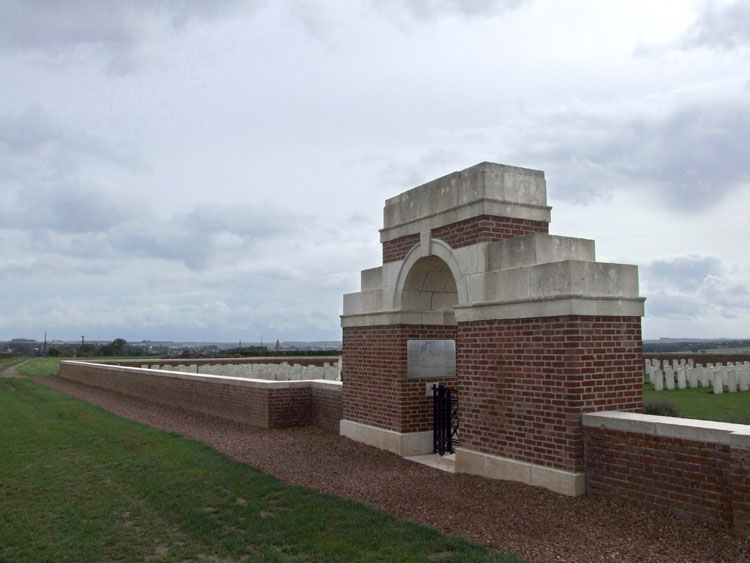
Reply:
x=685, y=374
x=272, y=372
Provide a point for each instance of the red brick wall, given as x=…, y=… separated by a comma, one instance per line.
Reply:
x=326, y=408
x=255, y=404
x=740, y=487
x=291, y=406
x=377, y=391
x=485, y=228
x=523, y=383
x=397, y=249
x=692, y=479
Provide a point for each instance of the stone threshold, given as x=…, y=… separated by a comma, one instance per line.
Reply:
x=445, y=462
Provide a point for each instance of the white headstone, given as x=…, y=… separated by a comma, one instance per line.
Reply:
x=681, y=378
x=732, y=381
x=669, y=379
x=658, y=380
x=743, y=378
x=718, y=383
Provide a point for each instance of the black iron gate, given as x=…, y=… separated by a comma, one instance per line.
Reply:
x=445, y=420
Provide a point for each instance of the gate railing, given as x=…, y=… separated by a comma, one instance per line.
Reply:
x=445, y=420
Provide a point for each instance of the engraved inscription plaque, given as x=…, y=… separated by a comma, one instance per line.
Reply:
x=431, y=358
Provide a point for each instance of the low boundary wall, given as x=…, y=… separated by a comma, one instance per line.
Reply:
x=266, y=404
x=301, y=360
x=697, y=469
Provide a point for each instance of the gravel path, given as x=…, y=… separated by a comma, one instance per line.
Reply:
x=514, y=518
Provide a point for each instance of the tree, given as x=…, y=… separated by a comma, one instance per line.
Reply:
x=115, y=348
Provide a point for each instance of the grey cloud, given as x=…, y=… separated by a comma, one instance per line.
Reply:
x=66, y=209
x=671, y=306
x=191, y=238
x=724, y=27
x=314, y=17
x=116, y=26
x=35, y=134
x=44, y=183
x=431, y=9
x=690, y=159
x=693, y=286
x=730, y=293
x=682, y=272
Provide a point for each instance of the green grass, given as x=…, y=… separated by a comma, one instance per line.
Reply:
x=80, y=484
x=40, y=367
x=701, y=403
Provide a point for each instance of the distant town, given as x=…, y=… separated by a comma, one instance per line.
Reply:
x=121, y=347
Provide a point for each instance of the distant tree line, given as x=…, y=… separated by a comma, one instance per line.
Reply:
x=692, y=347
x=118, y=347
x=256, y=351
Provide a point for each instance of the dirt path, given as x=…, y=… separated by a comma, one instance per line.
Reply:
x=514, y=518
x=13, y=371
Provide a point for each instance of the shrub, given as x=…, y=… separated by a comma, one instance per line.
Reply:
x=660, y=407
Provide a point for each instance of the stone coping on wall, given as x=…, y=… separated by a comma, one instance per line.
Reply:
x=239, y=381
x=525, y=309
x=725, y=433
x=138, y=362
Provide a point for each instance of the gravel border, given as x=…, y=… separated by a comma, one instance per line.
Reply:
x=513, y=518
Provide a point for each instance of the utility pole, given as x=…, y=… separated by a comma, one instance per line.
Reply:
x=44, y=346
x=82, y=339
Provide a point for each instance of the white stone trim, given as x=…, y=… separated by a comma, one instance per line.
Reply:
x=552, y=307
x=495, y=467
x=403, y=444
x=445, y=253
x=724, y=433
x=238, y=381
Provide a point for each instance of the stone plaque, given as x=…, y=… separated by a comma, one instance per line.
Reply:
x=431, y=358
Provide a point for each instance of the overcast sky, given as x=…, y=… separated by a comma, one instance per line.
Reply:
x=189, y=170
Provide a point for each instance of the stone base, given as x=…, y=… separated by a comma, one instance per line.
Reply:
x=407, y=444
x=494, y=467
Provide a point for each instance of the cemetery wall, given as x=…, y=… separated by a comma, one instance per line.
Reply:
x=698, y=470
x=266, y=404
x=326, y=406
x=523, y=383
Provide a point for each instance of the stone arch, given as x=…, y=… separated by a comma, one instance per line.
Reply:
x=430, y=279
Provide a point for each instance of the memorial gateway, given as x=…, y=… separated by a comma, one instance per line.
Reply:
x=542, y=332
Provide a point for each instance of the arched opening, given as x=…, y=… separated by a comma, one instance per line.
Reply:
x=430, y=286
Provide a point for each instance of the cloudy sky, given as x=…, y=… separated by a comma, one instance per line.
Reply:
x=190, y=170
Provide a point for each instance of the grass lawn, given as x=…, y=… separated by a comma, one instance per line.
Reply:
x=41, y=367
x=38, y=367
x=80, y=484
x=701, y=403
